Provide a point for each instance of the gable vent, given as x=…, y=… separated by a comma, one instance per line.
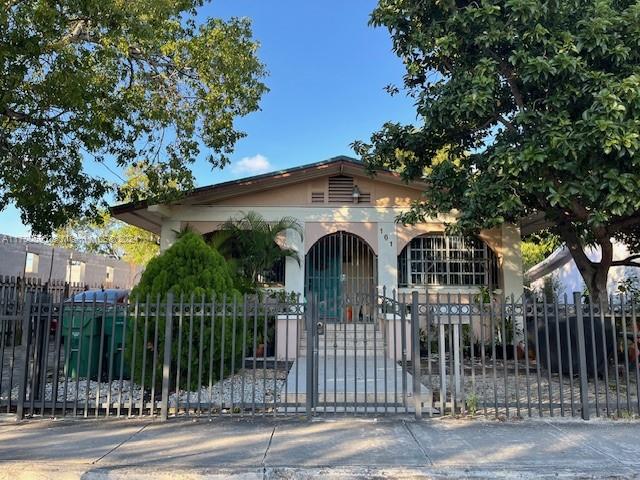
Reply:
x=341, y=189
x=317, y=197
x=365, y=198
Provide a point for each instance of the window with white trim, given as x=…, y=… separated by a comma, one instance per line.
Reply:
x=31, y=263
x=439, y=260
x=109, y=274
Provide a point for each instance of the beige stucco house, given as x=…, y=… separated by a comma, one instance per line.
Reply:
x=351, y=240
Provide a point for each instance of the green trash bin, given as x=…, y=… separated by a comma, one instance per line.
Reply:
x=82, y=330
x=81, y=337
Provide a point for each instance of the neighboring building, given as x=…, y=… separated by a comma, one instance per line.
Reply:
x=560, y=269
x=351, y=240
x=33, y=260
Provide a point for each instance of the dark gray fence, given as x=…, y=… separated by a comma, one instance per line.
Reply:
x=421, y=354
x=533, y=357
x=14, y=289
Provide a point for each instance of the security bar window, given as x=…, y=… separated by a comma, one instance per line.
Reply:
x=440, y=260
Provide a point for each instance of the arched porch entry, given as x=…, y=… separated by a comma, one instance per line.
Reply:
x=341, y=270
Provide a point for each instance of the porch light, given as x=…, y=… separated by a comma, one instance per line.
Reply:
x=355, y=194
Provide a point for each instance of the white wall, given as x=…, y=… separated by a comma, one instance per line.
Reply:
x=571, y=281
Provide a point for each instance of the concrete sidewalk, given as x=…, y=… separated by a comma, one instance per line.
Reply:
x=339, y=448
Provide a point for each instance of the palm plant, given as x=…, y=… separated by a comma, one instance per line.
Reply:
x=252, y=242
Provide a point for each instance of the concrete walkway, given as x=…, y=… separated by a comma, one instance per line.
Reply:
x=355, y=379
x=339, y=448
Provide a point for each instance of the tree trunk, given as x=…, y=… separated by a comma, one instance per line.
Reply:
x=594, y=274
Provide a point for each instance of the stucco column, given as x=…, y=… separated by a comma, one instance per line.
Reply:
x=512, y=275
x=294, y=272
x=387, y=256
x=168, y=233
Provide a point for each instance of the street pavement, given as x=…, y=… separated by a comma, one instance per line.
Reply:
x=341, y=448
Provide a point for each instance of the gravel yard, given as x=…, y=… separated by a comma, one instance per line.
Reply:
x=246, y=386
x=537, y=393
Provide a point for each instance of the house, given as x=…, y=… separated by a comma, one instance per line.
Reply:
x=352, y=242
x=560, y=271
x=38, y=262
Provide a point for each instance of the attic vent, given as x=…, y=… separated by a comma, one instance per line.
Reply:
x=317, y=197
x=341, y=189
x=365, y=198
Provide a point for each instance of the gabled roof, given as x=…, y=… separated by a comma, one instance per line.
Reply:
x=136, y=213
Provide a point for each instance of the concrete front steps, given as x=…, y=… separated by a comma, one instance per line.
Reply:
x=351, y=339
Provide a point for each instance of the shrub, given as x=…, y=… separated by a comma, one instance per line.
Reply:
x=196, y=274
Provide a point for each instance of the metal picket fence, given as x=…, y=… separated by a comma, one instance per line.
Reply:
x=421, y=353
x=532, y=357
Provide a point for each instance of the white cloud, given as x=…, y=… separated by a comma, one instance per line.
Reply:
x=251, y=165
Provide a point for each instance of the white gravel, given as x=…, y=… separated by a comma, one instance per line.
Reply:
x=230, y=391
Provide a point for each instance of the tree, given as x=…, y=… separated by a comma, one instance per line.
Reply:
x=107, y=236
x=537, y=247
x=136, y=82
x=537, y=107
x=253, y=243
x=194, y=273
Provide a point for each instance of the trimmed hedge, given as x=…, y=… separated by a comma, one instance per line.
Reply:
x=193, y=271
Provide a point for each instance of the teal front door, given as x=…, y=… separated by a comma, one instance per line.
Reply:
x=339, y=267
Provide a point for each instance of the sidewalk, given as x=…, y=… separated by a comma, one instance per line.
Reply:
x=332, y=448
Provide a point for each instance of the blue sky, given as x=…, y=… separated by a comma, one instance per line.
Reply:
x=327, y=73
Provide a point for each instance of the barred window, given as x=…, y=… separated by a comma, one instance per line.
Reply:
x=450, y=261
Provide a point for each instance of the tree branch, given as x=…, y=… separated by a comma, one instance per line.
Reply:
x=628, y=262
x=625, y=222
x=26, y=118
x=510, y=77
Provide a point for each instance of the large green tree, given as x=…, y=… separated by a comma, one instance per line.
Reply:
x=537, y=107
x=135, y=82
x=108, y=236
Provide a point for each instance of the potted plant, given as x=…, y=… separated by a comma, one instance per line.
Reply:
x=504, y=340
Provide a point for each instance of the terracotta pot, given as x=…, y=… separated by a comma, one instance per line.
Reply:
x=349, y=314
x=260, y=350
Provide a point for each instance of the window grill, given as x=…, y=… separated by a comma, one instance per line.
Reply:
x=447, y=261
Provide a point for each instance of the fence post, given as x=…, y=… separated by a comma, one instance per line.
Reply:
x=26, y=344
x=415, y=354
x=310, y=322
x=582, y=356
x=166, y=365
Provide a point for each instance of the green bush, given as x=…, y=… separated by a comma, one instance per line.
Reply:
x=195, y=274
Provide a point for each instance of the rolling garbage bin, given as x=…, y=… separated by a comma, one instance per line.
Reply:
x=81, y=336
x=84, y=325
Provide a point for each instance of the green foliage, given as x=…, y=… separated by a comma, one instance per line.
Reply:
x=252, y=243
x=107, y=236
x=129, y=82
x=472, y=403
x=630, y=287
x=537, y=247
x=195, y=274
x=551, y=290
x=525, y=107
x=188, y=267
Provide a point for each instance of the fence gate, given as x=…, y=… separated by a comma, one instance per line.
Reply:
x=363, y=365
